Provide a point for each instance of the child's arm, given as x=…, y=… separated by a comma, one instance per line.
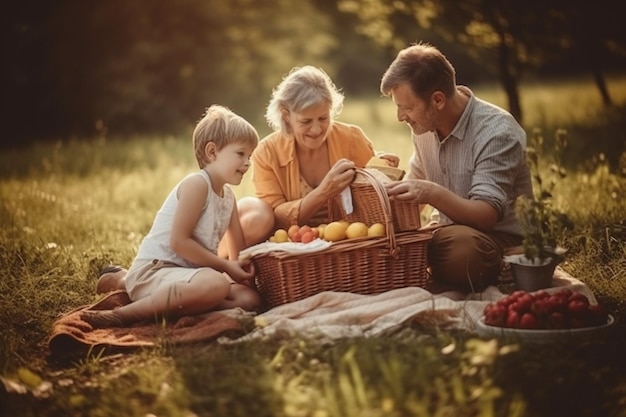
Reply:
x=192, y=194
x=235, y=241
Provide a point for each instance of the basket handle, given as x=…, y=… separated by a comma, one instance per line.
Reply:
x=384, y=202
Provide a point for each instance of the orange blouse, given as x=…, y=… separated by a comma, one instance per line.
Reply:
x=276, y=170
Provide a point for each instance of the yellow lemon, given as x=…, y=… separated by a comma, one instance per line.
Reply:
x=320, y=230
x=335, y=231
x=376, y=230
x=281, y=236
x=356, y=229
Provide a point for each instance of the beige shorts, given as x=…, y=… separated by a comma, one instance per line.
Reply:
x=147, y=276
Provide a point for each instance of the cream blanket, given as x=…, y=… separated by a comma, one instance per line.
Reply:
x=327, y=315
x=334, y=315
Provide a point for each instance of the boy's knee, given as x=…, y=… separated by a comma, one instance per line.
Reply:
x=257, y=219
x=245, y=297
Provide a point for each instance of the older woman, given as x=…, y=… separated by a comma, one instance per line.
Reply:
x=308, y=159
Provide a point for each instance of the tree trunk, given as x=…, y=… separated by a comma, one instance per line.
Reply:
x=509, y=81
x=507, y=62
x=598, y=78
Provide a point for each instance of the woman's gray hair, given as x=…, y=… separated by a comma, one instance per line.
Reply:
x=302, y=88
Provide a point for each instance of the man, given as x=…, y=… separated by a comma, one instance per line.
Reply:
x=468, y=163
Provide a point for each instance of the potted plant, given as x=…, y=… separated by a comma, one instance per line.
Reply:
x=541, y=222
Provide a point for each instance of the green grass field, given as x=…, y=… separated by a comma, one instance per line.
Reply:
x=72, y=207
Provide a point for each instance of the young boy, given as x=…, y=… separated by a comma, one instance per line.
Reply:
x=177, y=271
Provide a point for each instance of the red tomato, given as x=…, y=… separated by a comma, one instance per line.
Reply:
x=579, y=297
x=524, y=302
x=540, y=307
x=528, y=321
x=517, y=294
x=557, y=303
x=578, y=308
x=495, y=315
x=556, y=320
x=512, y=319
x=565, y=292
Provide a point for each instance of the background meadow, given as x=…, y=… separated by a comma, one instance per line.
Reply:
x=70, y=207
x=100, y=100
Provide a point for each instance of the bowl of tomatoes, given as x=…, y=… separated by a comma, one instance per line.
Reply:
x=543, y=316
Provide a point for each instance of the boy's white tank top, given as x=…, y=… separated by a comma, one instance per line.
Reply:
x=209, y=230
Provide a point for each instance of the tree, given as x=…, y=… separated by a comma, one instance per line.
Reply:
x=594, y=37
x=509, y=37
x=81, y=68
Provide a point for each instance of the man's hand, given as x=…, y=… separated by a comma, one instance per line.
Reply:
x=410, y=190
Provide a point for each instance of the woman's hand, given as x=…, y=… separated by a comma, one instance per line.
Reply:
x=338, y=178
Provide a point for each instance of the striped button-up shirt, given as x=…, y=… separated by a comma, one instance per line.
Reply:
x=481, y=159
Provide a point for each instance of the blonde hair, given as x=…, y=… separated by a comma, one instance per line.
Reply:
x=223, y=127
x=303, y=88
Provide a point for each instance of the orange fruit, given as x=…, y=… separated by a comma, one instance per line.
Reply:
x=292, y=229
x=308, y=236
x=296, y=237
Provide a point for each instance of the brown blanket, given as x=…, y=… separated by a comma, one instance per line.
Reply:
x=71, y=334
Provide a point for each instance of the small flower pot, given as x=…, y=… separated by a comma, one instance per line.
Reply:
x=531, y=274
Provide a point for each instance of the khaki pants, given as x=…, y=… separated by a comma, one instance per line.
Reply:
x=467, y=257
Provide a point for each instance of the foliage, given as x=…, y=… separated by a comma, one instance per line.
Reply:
x=145, y=67
x=83, y=69
x=542, y=223
x=509, y=38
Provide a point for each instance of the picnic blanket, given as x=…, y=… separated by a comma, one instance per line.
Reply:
x=330, y=315
x=333, y=315
x=70, y=333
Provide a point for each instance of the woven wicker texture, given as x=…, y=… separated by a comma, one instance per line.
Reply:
x=362, y=266
x=367, y=208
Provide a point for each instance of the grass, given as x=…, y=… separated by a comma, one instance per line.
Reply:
x=71, y=207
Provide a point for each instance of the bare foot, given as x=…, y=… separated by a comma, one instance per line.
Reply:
x=111, y=278
x=99, y=319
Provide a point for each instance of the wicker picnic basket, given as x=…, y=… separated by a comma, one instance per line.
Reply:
x=362, y=265
x=405, y=215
